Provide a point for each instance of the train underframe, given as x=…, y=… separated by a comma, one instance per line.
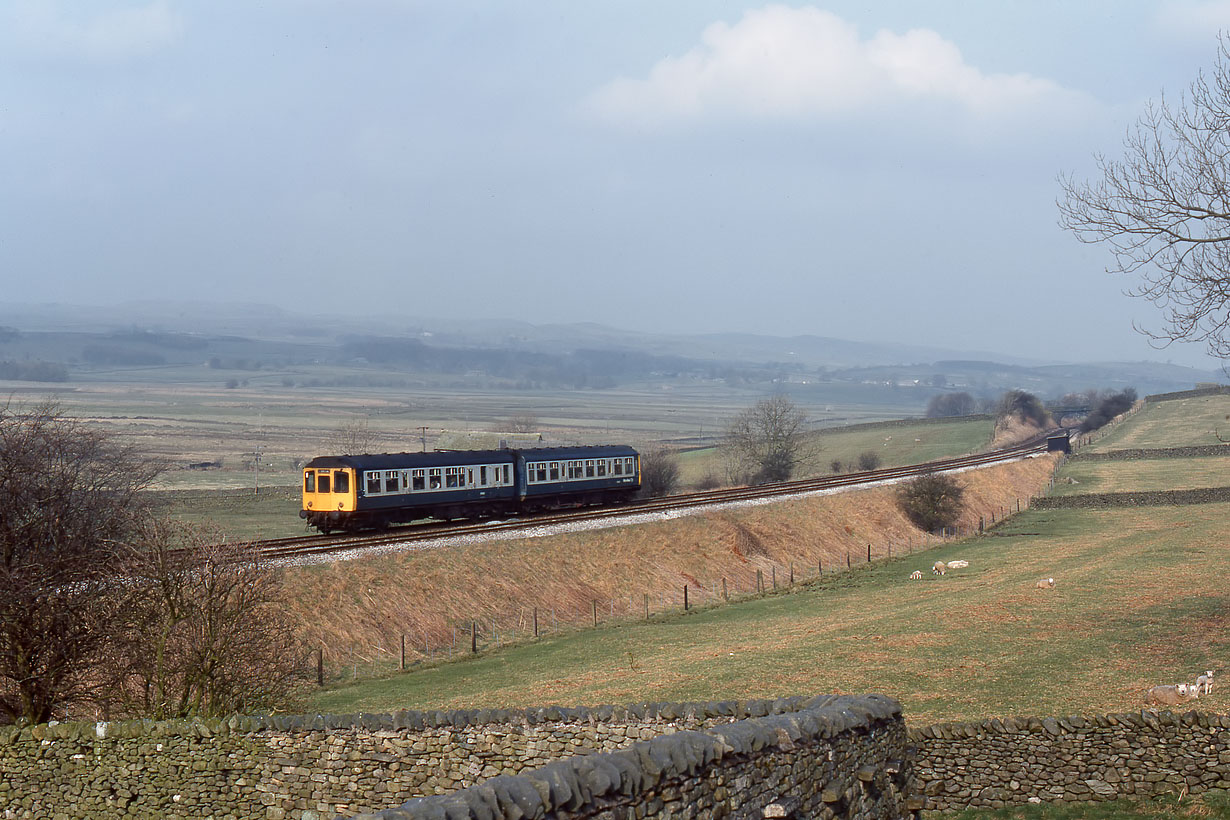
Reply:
x=336, y=520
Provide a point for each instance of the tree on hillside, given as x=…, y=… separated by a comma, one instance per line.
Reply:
x=659, y=473
x=1109, y=406
x=767, y=442
x=208, y=634
x=1025, y=407
x=950, y=404
x=932, y=501
x=70, y=506
x=1164, y=209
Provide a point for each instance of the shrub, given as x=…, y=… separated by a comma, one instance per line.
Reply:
x=1110, y=406
x=869, y=460
x=932, y=500
x=950, y=404
x=659, y=473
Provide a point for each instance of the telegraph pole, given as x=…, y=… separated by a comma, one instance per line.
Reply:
x=423, y=436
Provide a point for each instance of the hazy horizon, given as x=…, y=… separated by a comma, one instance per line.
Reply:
x=882, y=173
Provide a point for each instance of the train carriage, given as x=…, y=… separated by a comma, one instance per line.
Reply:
x=373, y=491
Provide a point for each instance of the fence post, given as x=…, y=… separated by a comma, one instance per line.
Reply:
x=685, y=597
x=473, y=636
x=320, y=666
x=868, y=553
x=595, y=613
x=725, y=595
x=759, y=581
x=773, y=572
x=403, y=653
x=535, y=622
x=647, y=606
x=792, y=573
x=819, y=566
x=847, y=559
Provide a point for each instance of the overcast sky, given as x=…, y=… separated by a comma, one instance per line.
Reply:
x=871, y=171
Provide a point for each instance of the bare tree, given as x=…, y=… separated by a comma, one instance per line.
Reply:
x=352, y=438
x=932, y=500
x=70, y=506
x=659, y=472
x=209, y=635
x=767, y=442
x=944, y=405
x=523, y=423
x=1164, y=209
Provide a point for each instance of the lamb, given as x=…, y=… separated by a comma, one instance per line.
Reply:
x=940, y=568
x=1046, y=583
x=958, y=564
x=916, y=575
x=1204, y=683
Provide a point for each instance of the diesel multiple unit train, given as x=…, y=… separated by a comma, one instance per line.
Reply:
x=374, y=491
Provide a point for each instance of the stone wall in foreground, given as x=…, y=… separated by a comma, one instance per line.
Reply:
x=997, y=763
x=306, y=767
x=837, y=757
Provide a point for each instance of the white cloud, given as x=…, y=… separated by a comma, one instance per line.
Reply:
x=49, y=28
x=794, y=63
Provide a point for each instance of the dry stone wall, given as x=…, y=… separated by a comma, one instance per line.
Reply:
x=307, y=767
x=997, y=763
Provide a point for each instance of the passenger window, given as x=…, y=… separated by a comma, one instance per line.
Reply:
x=589, y=468
x=482, y=476
x=555, y=471
x=619, y=466
x=417, y=481
x=505, y=478
x=309, y=481
x=322, y=484
x=392, y=482
x=628, y=466
x=341, y=483
x=373, y=483
x=450, y=478
x=434, y=479
x=542, y=472
x=602, y=467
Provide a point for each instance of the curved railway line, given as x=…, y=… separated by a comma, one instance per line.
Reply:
x=308, y=546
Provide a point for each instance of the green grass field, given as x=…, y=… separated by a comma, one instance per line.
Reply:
x=1081, y=477
x=1177, y=423
x=895, y=445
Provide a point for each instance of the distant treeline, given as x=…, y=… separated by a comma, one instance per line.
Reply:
x=121, y=355
x=174, y=341
x=33, y=371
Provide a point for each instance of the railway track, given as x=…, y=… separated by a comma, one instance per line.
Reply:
x=320, y=545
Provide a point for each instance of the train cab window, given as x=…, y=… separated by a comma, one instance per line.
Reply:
x=433, y=479
x=555, y=471
x=322, y=484
x=601, y=467
x=392, y=481
x=589, y=468
x=618, y=464
x=309, y=481
x=417, y=480
x=341, y=483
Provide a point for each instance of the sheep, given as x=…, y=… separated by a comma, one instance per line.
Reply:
x=958, y=564
x=916, y=575
x=1168, y=694
x=1046, y=583
x=940, y=568
x=1204, y=683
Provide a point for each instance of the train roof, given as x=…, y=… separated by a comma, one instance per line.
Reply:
x=405, y=461
x=560, y=453
x=448, y=458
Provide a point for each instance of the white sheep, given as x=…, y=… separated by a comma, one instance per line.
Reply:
x=940, y=568
x=958, y=564
x=1168, y=694
x=1046, y=583
x=916, y=575
x=1204, y=683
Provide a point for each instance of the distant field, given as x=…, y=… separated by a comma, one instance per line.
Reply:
x=1178, y=423
x=1137, y=475
x=895, y=445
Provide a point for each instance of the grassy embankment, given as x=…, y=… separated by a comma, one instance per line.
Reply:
x=1141, y=599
